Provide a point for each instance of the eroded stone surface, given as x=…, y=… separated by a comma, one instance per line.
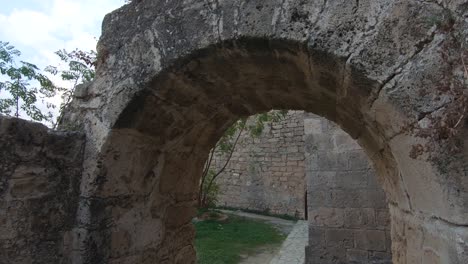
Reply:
x=348, y=212
x=172, y=76
x=40, y=173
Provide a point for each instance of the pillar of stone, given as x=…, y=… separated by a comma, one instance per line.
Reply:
x=348, y=213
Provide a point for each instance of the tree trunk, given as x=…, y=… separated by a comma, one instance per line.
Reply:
x=204, y=192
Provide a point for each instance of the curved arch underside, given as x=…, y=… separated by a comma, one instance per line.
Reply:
x=173, y=75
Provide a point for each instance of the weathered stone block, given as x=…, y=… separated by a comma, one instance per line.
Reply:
x=370, y=240
x=329, y=217
x=321, y=179
x=316, y=198
x=358, y=160
x=372, y=179
x=344, y=143
x=313, y=126
x=317, y=236
x=376, y=199
x=355, y=256
x=359, y=218
x=336, y=255
x=342, y=198
x=351, y=179
x=317, y=142
x=381, y=257
x=327, y=160
x=339, y=238
x=382, y=219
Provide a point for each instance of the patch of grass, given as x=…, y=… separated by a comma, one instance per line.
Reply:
x=223, y=243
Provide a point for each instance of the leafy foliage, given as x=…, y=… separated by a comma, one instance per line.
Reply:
x=80, y=69
x=23, y=85
x=260, y=120
x=254, y=128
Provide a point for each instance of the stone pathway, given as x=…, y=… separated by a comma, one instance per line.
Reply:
x=285, y=226
x=293, y=249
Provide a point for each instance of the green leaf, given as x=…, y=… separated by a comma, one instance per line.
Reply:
x=51, y=69
x=24, y=84
x=80, y=69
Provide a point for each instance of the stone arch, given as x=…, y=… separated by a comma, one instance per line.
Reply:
x=173, y=75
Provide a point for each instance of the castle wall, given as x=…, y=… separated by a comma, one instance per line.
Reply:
x=347, y=209
x=349, y=220
x=40, y=174
x=267, y=173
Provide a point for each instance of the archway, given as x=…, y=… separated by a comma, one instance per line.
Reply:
x=168, y=85
x=349, y=219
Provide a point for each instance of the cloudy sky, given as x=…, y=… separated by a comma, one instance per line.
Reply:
x=38, y=28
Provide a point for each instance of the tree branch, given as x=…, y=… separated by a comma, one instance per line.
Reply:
x=225, y=164
x=205, y=172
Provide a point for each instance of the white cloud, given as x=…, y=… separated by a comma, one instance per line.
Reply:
x=39, y=28
x=65, y=24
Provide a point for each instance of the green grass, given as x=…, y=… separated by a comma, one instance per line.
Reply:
x=222, y=243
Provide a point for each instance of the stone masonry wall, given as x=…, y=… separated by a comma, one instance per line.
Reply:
x=348, y=214
x=39, y=189
x=266, y=173
x=172, y=74
x=347, y=209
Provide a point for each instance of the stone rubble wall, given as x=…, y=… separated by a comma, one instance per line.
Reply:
x=267, y=173
x=349, y=219
x=40, y=174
